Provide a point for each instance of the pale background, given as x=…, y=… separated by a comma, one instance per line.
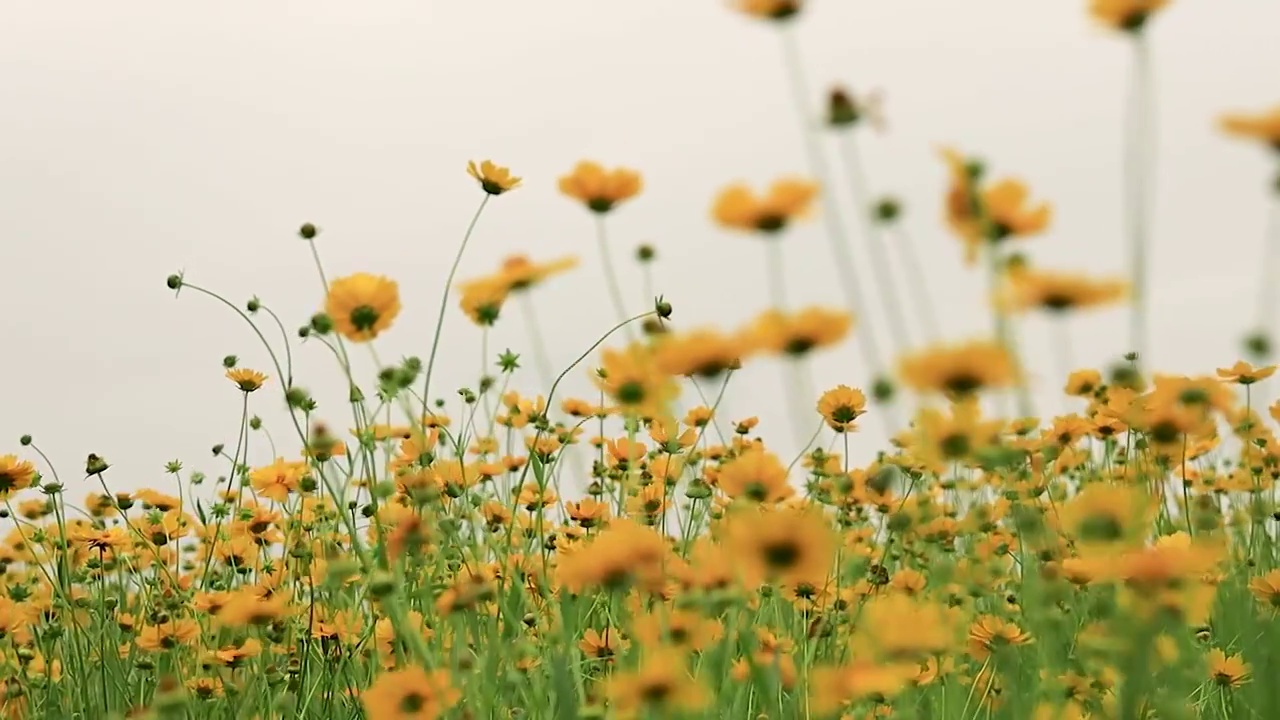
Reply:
x=142, y=138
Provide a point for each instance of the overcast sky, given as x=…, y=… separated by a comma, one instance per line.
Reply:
x=142, y=138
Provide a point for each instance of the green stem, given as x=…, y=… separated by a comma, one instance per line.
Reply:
x=444, y=302
x=1139, y=157
x=611, y=276
x=832, y=218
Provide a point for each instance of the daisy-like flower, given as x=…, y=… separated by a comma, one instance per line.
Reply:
x=245, y=379
x=493, y=179
x=961, y=369
x=1242, y=373
x=410, y=694
x=738, y=207
x=1058, y=292
x=15, y=474
x=1228, y=671
x=599, y=189
x=362, y=305
x=840, y=406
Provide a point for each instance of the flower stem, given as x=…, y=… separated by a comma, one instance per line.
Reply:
x=611, y=276
x=856, y=172
x=444, y=302
x=1139, y=158
x=832, y=219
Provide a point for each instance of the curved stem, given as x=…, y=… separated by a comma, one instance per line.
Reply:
x=444, y=302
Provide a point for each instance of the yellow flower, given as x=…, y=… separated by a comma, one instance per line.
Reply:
x=1128, y=15
x=840, y=406
x=493, y=179
x=521, y=274
x=1058, y=292
x=768, y=9
x=1242, y=373
x=960, y=369
x=793, y=545
x=704, y=353
x=482, y=298
x=1263, y=127
x=410, y=694
x=797, y=333
x=755, y=475
x=739, y=208
x=989, y=632
x=1228, y=671
x=599, y=189
x=245, y=379
x=632, y=378
x=660, y=687
x=362, y=305
x=1005, y=204
x=15, y=474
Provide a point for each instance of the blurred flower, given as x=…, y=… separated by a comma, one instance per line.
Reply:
x=768, y=9
x=797, y=333
x=960, y=369
x=738, y=207
x=362, y=305
x=599, y=189
x=1057, y=292
x=1263, y=127
x=1127, y=15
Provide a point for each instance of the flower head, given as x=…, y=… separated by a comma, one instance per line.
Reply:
x=245, y=379
x=410, y=694
x=599, y=189
x=15, y=474
x=960, y=370
x=493, y=179
x=738, y=207
x=797, y=333
x=1128, y=15
x=362, y=305
x=1058, y=292
x=841, y=406
x=776, y=10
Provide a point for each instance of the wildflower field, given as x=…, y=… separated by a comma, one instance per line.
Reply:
x=508, y=549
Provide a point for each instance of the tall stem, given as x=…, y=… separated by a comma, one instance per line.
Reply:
x=541, y=357
x=774, y=269
x=922, y=298
x=883, y=285
x=1138, y=161
x=1267, y=284
x=444, y=302
x=611, y=275
x=832, y=218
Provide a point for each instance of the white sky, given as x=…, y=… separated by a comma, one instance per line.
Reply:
x=140, y=138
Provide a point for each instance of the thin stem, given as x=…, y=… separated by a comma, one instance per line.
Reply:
x=883, y=285
x=1138, y=168
x=611, y=276
x=922, y=298
x=832, y=218
x=1267, y=284
x=1062, y=349
x=541, y=357
x=444, y=302
x=776, y=272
